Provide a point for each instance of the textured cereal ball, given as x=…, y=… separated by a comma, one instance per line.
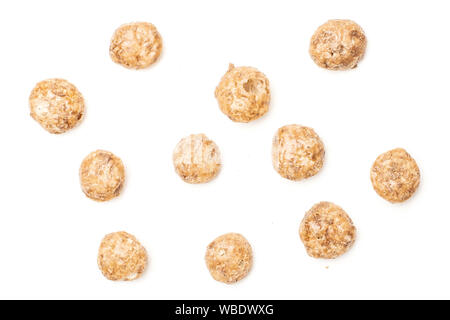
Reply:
x=57, y=105
x=338, y=45
x=297, y=152
x=395, y=175
x=102, y=175
x=243, y=94
x=229, y=258
x=136, y=45
x=327, y=231
x=121, y=257
x=196, y=159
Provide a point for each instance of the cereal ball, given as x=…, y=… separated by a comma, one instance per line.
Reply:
x=243, y=94
x=395, y=175
x=196, y=159
x=297, y=152
x=57, y=105
x=338, y=45
x=102, y=175
x=327, y=231
x=135, y=45
x=121, y=257
x=229, y=258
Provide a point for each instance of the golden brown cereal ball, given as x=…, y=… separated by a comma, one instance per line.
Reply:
x=102, y=175
x=57, y=105
x=327, y=231
x=297, y=152
x=395, y=175
x=243, y=94
x=196, y=159
x=229, y=258
x=121, y=257
x=338, y=45
x=136, y=45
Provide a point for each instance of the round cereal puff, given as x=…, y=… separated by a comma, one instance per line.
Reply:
x=196, y=159
x=395, y=175
x=327, y=231
x=297, y=152
x=102, y=175
x=229, y=258
x=56, y=105
x=121, y=257
x=243, y=94
x=136, y=45
x=338, y=45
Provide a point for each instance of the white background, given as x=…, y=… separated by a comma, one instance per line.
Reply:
x=396, y=97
